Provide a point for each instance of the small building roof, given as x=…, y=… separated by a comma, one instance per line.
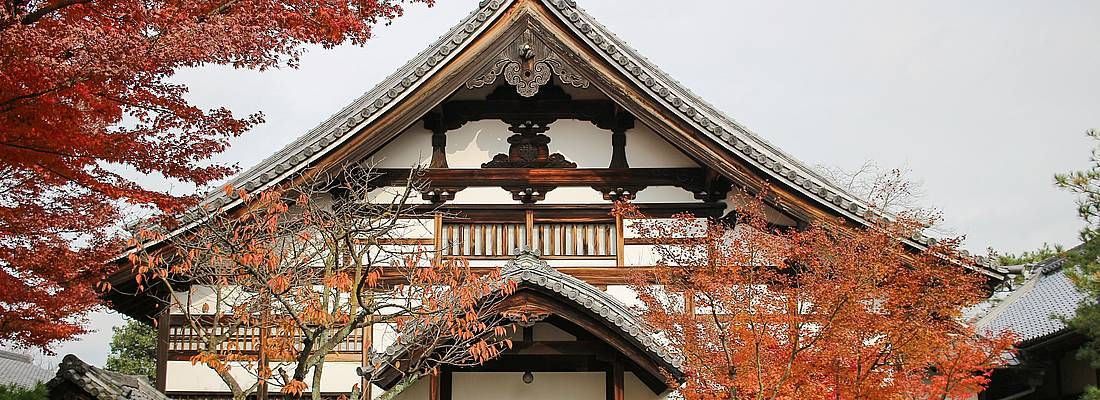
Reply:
x=529, y=271
x=19, y=370
x=77, y=379
x=1035, y=310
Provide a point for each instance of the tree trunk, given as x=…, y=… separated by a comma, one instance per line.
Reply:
x=316, y=392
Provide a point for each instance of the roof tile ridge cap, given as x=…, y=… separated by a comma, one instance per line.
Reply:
x=312, y=135
x=393, y=77
x=623, y=314
x=709, y=108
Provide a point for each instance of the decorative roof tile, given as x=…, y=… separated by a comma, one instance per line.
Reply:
x=102, y=384
x=527, y=269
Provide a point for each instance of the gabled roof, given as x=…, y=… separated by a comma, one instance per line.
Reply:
x=1035, y=310
x=735, y=138
x=19, y=370
x=528, y=271
x=100, y=384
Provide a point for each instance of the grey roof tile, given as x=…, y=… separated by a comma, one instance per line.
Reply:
x=1035, y=310
x=527, y=269
x=102, y=384
x=19, y=370
x=712, y=123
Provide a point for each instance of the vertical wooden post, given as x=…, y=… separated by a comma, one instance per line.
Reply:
x=434, y=123
x=623, y=122
x=438, y=239
x=614, y=381
x=530, y=219
x=261, y=359
x=446, y=390
x=368, y=341
x=433, y=388
x=620, y=243
x=164, y=323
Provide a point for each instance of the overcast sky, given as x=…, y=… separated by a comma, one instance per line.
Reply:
x=982, y=100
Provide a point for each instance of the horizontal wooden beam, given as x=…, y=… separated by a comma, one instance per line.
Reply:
x=688, y=178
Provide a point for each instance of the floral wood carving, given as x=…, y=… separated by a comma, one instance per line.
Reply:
x=528, y=63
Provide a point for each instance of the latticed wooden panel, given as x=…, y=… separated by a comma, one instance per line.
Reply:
x=183, y=338
x=552, y=239
x=474, y=240
x=579, y=240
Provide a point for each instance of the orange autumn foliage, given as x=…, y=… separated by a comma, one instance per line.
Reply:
x=306, y=268
x=825, y=312
x=86, y=93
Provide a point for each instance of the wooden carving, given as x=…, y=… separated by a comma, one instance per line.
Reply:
x=528, y=148
x=528, y=63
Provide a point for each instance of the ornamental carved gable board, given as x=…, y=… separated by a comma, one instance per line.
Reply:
x=522, y=126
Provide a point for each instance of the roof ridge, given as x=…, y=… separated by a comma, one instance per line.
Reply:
x=11, y=355
x=723, y=135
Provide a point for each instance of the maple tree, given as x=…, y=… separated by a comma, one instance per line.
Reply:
x=759, y=311
x=310, y=263
x=85, y=92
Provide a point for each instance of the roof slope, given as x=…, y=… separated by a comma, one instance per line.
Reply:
x=102, y=384
x=528, y=270
x=19, y=370
x=722, y=129
x=1035, y=310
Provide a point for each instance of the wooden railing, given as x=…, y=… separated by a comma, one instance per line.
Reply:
x=184, y=339
x=481, y=240
x=576, y=240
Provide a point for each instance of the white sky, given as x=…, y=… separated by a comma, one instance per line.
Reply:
x=983, y=100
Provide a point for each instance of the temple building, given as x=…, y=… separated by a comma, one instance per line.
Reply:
x=529, y=119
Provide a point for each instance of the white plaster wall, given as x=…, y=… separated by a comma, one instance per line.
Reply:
x=414, y=228
x=476, y=143
x=544, y=332
x=393, y=195
x=581, y=142
x=624, y=294
x=384, y=336
x=634, y=389
x=640, y=255
x=203, y=295
x=665, y=194
x=574, y=195
x=737, y=199
x=182, y=376
x=581, y=262
x=483, y=195
x=410, y=149
x=646, y=149
x=546, y=386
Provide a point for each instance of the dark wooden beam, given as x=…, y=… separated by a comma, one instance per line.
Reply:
x=434, y=122
x=163, y=325
x=599, y=112
x=446, y=384
x=434, y=386
x=614, y=381
x=687, y=178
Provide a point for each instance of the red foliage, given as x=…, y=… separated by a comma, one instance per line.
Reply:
x=826, y=312
x=85, y=92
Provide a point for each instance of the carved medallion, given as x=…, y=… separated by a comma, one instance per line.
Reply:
x=528, y=63
x=528, y=148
